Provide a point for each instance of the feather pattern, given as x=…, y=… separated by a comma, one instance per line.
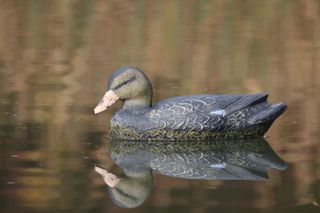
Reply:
x=242, y=159
x=201, y=117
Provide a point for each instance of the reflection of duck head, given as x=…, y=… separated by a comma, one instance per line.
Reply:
x=132, y=190
x=223, y=160
x=129, y=191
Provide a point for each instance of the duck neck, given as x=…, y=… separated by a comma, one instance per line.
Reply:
x=144, y=101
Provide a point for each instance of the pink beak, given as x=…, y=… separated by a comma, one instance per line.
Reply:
x=108, y=99
x=109, y=178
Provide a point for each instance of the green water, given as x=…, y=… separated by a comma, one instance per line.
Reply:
x=56, y=56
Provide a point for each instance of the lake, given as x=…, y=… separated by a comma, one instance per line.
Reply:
x=56, y=57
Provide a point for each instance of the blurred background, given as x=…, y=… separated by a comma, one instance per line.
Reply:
x=56, y=56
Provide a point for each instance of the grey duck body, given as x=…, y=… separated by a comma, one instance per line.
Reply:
x=195, y=117
x=198, y=117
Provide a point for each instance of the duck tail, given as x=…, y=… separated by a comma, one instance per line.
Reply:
x=268, y=114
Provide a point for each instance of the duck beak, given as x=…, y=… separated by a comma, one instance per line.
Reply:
x=109, y=178
x=108, y=99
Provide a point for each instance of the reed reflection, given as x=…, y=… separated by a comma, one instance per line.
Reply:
x=213, y=160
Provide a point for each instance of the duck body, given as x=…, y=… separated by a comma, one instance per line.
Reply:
x=195, y=117
x=198, y=117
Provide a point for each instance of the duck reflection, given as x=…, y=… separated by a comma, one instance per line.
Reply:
x=214, y=160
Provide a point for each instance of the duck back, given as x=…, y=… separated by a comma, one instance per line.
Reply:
x=198, y=117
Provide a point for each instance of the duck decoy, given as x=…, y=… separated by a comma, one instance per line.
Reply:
x=194, y=117
x=215, y=160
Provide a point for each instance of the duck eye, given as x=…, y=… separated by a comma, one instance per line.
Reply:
x=125, y=82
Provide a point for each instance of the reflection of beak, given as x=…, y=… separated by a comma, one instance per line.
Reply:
x=109, y=178
x=108, y=99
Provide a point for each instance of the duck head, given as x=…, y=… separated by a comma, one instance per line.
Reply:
x=130, y=85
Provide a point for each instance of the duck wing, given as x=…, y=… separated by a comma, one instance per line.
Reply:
x=200, y=111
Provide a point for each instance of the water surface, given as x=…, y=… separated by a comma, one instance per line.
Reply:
x=55, y=57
